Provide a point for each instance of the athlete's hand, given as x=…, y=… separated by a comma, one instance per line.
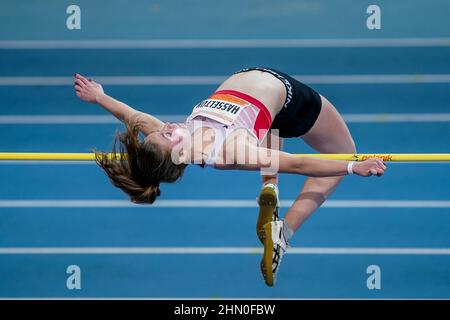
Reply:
x=86, y=89
x=370, y=167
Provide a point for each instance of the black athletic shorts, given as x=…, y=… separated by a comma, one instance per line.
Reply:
x=301, y=108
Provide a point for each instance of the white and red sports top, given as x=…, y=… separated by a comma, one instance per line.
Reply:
x=228, y=110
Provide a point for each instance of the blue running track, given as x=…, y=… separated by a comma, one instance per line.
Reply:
x=402, y=224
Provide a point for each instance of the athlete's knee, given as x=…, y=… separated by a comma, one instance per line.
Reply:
x=349, y=146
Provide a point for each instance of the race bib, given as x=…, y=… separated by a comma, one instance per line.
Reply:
x=223, y=108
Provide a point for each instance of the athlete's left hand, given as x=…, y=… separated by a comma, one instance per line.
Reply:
x=87, y=89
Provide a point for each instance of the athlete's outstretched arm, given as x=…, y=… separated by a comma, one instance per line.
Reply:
x=91, y=91
x=315, y=167
x=309, y=166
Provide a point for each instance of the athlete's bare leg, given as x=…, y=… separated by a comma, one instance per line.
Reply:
x=328, y=135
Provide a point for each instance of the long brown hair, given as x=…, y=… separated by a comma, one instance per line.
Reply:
x=139, y=167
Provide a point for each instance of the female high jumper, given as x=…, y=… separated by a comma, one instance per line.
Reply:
x=238, y=127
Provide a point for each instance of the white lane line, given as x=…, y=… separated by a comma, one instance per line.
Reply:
x=213, y=298
x=186, y=298
x=77, y=119
x=107, y=119
x=225, y=43
x=222, y=250
x=215, y=80
x=375, y=78
x=217, y=204
x=115, y=80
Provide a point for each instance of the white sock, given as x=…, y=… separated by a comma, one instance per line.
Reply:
x=287, y=231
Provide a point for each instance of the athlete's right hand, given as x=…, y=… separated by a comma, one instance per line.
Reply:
x=86, y=89
x=369, y=167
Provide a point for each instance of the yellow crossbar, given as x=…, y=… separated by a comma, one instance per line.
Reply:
x=388, y=157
